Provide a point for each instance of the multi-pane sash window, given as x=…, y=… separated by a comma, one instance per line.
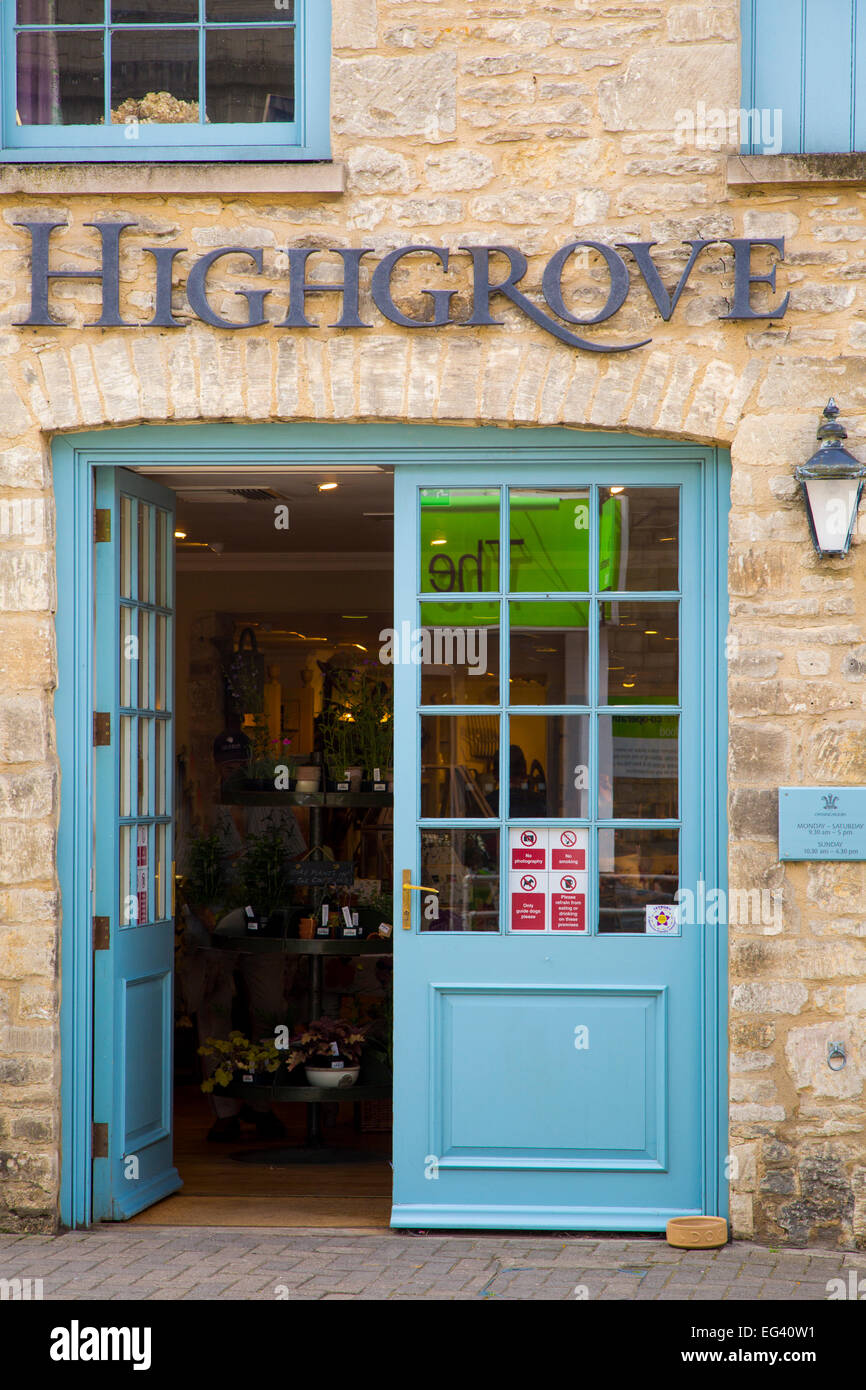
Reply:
x=165, y=79
x=803, y=71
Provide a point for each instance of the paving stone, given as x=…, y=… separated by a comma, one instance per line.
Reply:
x=188, y=1264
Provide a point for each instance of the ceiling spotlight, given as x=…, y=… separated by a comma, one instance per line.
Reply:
x=327, y=487
x=615, y=490
x=180, y=535
x=442, y=541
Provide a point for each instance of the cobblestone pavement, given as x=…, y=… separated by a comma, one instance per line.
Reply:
x=125, y=1262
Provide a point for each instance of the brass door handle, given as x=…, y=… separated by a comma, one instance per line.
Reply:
x=409, y=887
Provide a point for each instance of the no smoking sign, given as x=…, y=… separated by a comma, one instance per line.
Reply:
x=568, y=850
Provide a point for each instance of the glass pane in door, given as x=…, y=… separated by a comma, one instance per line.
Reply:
x=459, y=540
x=126, y=506
x=145, y=568
x=457, y=649
x=639, y=531
x=549, y=766
x=128, y=657
x=638, y=772
x=549, y=654
x=549, y=540
x=639, y=653
x=464, y=866
x=638, y=877
x=459, y=766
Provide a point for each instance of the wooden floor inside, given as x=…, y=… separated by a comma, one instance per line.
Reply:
x=219, y=1191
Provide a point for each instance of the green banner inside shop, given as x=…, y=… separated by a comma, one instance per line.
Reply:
x=549, y=553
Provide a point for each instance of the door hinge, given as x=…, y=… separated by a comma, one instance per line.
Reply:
x=101, y=933
x=99, y=1141
x=102, y=524
x=101, y=730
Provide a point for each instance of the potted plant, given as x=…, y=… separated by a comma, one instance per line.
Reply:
x=337, y=730
x=263, y=871
x=375, y=730
x=237, y=1057
x=330, y=1050
x=377, y=911
x=204, y=881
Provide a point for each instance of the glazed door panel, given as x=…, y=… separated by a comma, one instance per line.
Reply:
x=133, y=876
x=551, y=712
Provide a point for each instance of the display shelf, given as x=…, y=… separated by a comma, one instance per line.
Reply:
x=316, y=949
x=313, y=946
x=333, y=800
x=315, y=1095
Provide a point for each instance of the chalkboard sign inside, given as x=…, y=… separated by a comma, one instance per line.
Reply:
x=321, y=873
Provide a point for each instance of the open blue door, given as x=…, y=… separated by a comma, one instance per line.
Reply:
x=555, y=755
x=133, y=878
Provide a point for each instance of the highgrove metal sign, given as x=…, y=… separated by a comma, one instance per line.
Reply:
x=494, y=271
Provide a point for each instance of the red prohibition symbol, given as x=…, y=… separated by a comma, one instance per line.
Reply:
x=568, y=838
x=528, y=883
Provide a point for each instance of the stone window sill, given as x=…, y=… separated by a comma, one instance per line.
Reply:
x=757, y=171
x=324, y=180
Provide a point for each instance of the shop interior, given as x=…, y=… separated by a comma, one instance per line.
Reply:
x=283, y=846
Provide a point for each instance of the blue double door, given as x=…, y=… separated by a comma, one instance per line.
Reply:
x=557, y=744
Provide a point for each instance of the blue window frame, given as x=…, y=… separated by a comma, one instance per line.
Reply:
x=805, y=59
x=145, y=80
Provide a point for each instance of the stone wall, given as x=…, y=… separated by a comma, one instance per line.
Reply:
x=528, y=125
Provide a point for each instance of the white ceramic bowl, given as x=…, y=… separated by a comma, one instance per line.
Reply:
x=333, y=1078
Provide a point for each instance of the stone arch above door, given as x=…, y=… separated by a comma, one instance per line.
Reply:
x=499, y=379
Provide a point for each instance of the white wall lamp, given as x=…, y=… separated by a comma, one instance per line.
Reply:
x=832, y=482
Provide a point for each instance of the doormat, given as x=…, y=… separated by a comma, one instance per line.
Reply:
x=321, y=1213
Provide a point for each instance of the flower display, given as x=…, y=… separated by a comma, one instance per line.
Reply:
x=156, y=108
x=320, y=1038
x=237, y=1054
